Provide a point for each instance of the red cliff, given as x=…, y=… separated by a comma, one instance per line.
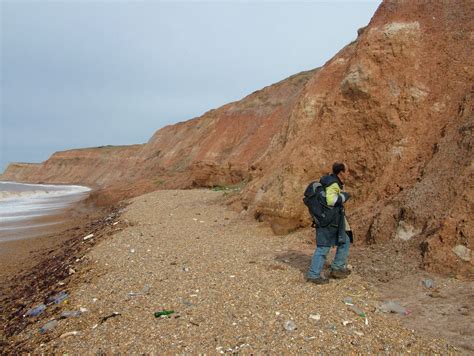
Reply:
x=396, y=105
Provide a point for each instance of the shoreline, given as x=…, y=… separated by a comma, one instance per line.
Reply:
x=42, y=233
x=156, y=245
x=42, y=261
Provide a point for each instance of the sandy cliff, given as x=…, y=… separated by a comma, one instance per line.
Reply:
x=396, y=104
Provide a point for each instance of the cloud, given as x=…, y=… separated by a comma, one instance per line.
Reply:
x=86, y=73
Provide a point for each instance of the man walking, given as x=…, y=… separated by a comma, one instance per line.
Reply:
x=335, y=234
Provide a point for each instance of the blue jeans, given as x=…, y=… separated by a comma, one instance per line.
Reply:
x=319, y=258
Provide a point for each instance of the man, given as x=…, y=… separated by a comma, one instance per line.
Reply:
x=335, y=234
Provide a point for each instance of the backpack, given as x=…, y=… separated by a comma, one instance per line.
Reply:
x=315, y=199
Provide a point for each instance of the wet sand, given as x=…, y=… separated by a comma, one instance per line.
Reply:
x=32, y=268
x=25, y=248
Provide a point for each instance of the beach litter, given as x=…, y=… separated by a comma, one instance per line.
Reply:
x=354, y=308
x=163, y=313
x=105, y=318
x=289, y=325
x=36, y=310
x=348, y=301
x=69, y=314
x=58, y=298
x=70, y=333
x=393, y=307
x=88, y=237
x=50, y=325
x=428, y=283
x=145, y=291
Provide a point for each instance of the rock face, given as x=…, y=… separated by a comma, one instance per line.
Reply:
x=396, y=105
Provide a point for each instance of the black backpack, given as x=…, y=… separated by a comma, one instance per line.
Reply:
x=315, y=199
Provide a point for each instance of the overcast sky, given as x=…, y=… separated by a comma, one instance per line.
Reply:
x=92, y=73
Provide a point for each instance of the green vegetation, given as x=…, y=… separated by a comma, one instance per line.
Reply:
x=231, y=188
x=159, y=182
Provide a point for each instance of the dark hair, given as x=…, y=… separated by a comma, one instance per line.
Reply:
x=338, y=167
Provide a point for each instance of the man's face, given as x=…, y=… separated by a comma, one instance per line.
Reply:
x=344, y=174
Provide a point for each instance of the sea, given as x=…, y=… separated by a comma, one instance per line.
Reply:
x=27, y=210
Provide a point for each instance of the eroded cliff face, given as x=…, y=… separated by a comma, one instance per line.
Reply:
x=95, y=167
x=396, y=105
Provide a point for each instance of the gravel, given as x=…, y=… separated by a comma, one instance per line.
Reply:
x=232, y=284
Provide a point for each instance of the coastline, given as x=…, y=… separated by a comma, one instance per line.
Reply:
x=250, y=281
x=40, y=233
x=32, y=267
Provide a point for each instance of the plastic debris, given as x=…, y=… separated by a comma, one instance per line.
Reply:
x=357, y=310
x=70, y=333
x=145, y=291
x=58, y=298
x=348, y=301
x=315, y=317
x=187, y=303
x=88, y=237
x=346, y=322
x=393, y=307
x=164, y=312
x=71, y=271
x=132, y=250
x=428, y=283
x=36, y=310
x=83, y=310
x=289, y=325
x=69, y=314
x=50, y=325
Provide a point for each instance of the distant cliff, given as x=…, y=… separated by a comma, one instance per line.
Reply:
x=396, y=105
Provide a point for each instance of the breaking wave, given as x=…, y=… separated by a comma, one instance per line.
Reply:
x=21, y=204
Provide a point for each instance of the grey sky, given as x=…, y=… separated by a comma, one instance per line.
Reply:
x=91, y=73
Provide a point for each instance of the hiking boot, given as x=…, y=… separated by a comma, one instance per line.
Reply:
x=340, y=273
x=318, y=280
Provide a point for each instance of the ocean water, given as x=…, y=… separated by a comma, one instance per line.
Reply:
x=26, y=210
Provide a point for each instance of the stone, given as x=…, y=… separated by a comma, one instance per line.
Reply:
x=462, y=252
x=406, y=231
x=316, y=317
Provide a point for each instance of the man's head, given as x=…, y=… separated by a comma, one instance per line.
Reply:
x=340, y=170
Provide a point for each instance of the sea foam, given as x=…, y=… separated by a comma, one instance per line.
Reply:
x=21, y=204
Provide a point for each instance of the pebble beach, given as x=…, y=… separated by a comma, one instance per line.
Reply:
x=232, y=286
